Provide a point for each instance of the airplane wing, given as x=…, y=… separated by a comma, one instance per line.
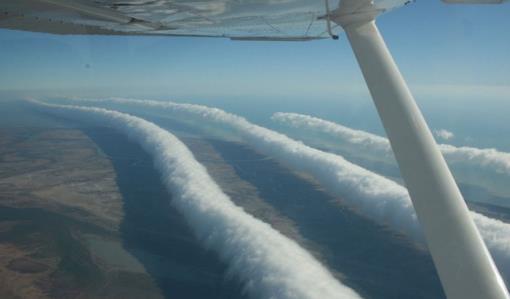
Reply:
x=292, y=20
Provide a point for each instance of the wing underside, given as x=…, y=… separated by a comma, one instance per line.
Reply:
x=236, y=19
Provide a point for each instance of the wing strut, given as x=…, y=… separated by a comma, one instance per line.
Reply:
x=465, y=266
x=328, y=20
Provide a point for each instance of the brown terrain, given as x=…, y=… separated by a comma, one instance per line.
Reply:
x=60, y=211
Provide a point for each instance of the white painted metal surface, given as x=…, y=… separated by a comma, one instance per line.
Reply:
x=465, y=267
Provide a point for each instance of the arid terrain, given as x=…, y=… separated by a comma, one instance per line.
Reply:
x=60, y=212
x=63, y=217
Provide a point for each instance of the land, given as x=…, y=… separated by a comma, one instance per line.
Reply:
x=60, y=214
x=83, y=214
x=68, y=230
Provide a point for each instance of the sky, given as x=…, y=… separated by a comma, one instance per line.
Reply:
x=454, y=58
x=440, y=49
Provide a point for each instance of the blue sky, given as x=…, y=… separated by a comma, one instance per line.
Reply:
x=440, y=48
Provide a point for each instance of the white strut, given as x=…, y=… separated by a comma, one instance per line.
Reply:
x=464, y=265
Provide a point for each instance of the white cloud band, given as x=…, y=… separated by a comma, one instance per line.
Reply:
x=369, y=193
x=270, y=264
x=490, y=159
